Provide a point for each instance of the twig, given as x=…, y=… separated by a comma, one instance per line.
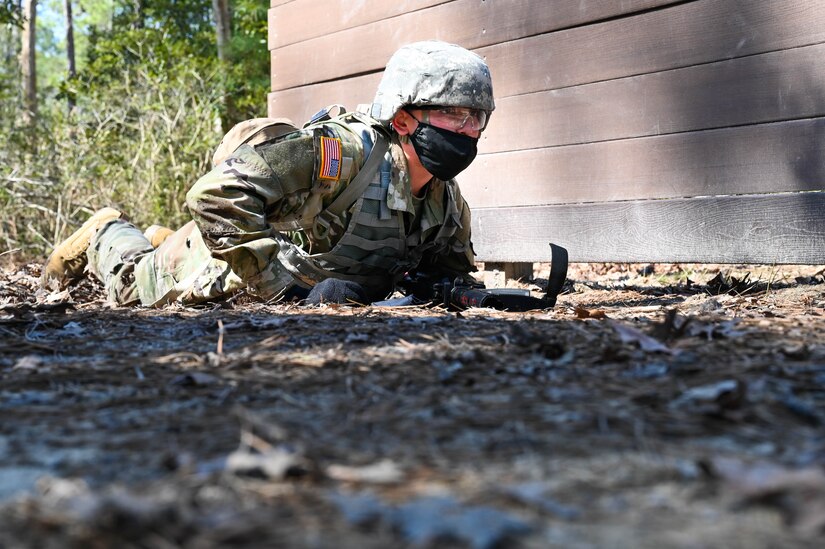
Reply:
x=13, y=179
x=220, y=337
x=37, y=234
x=39, y=207
x=251, y=440
x=57, y=218
x=251, y=422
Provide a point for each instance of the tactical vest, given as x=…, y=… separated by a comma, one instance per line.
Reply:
x=375, y=242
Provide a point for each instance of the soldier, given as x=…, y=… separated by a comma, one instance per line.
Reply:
x=337, y=211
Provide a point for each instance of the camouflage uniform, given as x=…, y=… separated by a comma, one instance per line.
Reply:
x=239, y=207
x=264, y=219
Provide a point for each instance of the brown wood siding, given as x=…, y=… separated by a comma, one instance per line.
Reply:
x=678, y=36
x=780, y=157
x=471, y=23
x=762, y=88
x=306, y=19
x=668, y=106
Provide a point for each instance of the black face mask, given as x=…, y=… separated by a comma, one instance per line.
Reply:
x=443, y=153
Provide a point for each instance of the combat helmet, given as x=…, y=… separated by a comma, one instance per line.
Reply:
x=433, y=73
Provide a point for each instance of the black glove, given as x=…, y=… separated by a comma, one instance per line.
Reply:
x=334, y=290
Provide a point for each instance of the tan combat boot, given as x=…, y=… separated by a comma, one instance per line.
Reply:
x=67, y=261
x=156, y=234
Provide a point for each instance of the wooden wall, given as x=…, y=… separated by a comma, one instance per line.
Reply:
x=640, y=130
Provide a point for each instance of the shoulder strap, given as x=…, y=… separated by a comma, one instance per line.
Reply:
x=362, y=179
x=326, y=114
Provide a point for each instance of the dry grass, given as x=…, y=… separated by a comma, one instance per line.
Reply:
x=140, y=155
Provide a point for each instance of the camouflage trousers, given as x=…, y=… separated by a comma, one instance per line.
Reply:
x=180, y=269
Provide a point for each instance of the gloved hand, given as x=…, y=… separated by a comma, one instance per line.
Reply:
x=334, y=290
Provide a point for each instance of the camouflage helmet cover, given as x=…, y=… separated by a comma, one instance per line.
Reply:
x=433, y=73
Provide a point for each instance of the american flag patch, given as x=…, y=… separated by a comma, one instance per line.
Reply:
x=330, y=158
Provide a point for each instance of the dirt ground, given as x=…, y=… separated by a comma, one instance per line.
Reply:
x=655, y=406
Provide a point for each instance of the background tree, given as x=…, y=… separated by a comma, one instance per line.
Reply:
x=70, y=58
x=223, y=27
x=28, y=63
x=11, y=20
x=139, y=15
x=223, y=35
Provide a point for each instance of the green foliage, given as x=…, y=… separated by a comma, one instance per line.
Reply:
x=113, y=56
x=151, y=96
x=248, y=73
x=164, y=34
x=10, y=13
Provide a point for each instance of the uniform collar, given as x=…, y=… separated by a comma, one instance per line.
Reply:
x=399, y=194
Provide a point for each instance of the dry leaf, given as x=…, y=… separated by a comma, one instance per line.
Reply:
x=798, y=493
x=581, y=312
x=631, y=335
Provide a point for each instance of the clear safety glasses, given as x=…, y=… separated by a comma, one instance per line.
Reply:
x=457, y=118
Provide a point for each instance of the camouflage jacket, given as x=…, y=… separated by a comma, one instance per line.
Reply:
x=238, y=205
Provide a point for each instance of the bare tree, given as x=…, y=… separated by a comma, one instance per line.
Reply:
x=27, y=62
x=70, y=48
x=223, y=27
x=223, y=30
x=139, y=17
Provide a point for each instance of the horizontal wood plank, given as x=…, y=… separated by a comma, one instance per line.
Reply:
x=471, y=23
x=779, y=228
x=513, y=76
x=301, y=103
x=306, y=19
x=784, y=156
x=775, y=86
x=698, y=32
x=680, y=36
